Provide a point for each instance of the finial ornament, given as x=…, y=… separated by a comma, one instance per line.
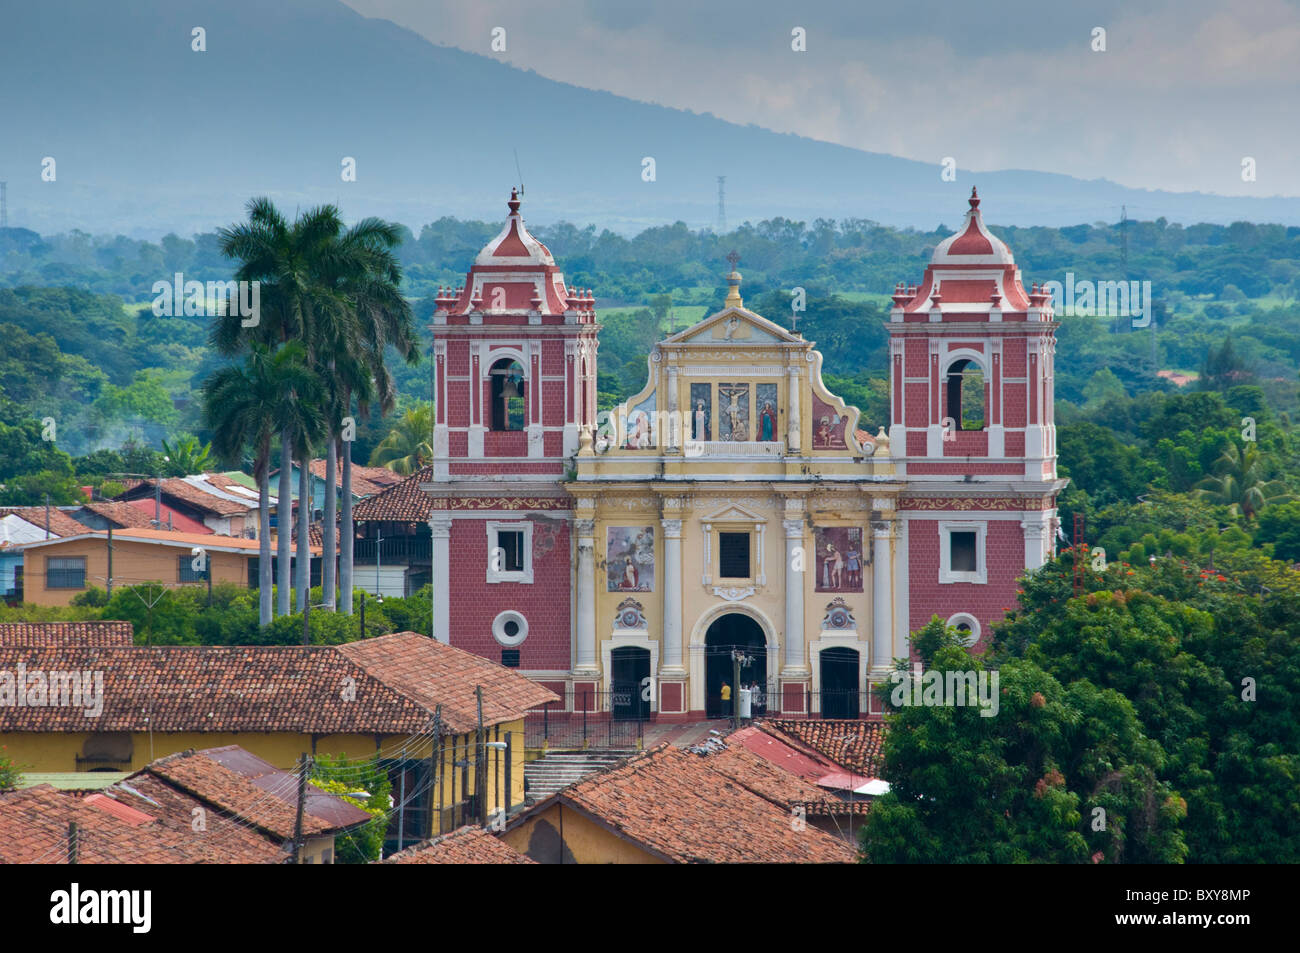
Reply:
x=974, y=198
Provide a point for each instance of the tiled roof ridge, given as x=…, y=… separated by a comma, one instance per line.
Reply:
x=260, y=797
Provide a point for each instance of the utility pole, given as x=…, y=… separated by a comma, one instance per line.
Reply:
x=303, y=763
x=47, y=516
x=435, y=755
x=72, y=842
x=110, y=565
x=480, y=755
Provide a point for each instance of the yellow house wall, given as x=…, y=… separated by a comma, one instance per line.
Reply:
x=133, y=562
x=588, y=843
x=58, y=751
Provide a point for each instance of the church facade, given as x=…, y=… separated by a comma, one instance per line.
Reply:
x=734, y=505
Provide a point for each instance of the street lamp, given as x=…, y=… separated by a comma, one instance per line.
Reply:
x=379, y=598
x=306, y=613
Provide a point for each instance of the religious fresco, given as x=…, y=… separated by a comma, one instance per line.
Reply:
x=733, y=412
x=828, y=426
x=640, y=425
x=701, y=412
x=630, y=558
x=839, y=558
x=765, y=403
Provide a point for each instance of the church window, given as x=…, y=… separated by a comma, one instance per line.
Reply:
x=508, y=407
x=966, y=395
x=733, y=555
x=509, y=552
x=961, y=552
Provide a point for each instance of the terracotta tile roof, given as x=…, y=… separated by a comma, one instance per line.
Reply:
x=61, y=523
x=34, y=829
x=66, y=633
x=335, y=812
x=123, y=514
x=761, y=776
x=431, y=672
x=366, y=481
x=271, y=808
x=194, y=496
x=393, y=684
x=467, y=845
x=402, y=502
x=851, y=744
x=671, y=802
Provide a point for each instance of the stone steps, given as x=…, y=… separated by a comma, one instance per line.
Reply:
x=556, y=771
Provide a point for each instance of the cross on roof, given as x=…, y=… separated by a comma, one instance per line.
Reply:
x=734, y=258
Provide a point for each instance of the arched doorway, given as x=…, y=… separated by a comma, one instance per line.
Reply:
x=629, y=681
x=733, y=631
x=839, y=682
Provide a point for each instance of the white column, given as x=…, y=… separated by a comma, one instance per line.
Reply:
x=586, y=627
x=794, y=583
x=882, y=601
x=1036, y=533
x=672, y=581
x=674, y=429
x=440, y=561
x=793, y=420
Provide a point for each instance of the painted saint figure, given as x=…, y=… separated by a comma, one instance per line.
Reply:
x=701, y=431
x=767, y=422
x=853, y=567
x=832, y=568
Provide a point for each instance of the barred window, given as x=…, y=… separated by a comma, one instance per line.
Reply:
x=733, y=555
x=66, y=572
x=187, y=573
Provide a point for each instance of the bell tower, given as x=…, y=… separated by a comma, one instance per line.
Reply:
x=514, y=363
x=971, y=427
x=514, y=353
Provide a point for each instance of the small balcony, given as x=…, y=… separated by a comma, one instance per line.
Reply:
x=397, y=550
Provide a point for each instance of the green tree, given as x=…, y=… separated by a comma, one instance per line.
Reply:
x=187, y=455
x=244, y=406
x=1022, y=785
x=1239, y=481
x=364, y=785
x=406, y=448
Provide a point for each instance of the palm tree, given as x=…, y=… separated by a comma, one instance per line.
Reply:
x=288, y=261
x=1239, y=482
x=187, y=455
x=370, y=278
x=406, y=448
x=243, y=406
x=338, y=291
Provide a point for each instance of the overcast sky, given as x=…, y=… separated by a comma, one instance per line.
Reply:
x=1184, y=90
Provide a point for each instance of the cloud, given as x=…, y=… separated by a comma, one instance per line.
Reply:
x=1184, y=90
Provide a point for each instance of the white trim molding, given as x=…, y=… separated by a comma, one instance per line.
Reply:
x=946, y=573
x=965, y=618
x=500, y=575
x=499, y=628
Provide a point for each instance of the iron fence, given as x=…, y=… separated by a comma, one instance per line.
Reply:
x=590, y=719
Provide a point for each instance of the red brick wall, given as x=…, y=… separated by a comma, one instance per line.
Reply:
x=545, y=603
x=1005, y=562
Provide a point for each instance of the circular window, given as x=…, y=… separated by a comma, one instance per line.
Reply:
x=968, y=628
x=510, y=628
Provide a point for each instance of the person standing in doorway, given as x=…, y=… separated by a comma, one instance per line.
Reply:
x=726, y=700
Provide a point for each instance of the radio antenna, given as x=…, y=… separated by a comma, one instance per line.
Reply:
x=520, y=174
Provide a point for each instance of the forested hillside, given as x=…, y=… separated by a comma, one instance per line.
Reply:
x=83, y=347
